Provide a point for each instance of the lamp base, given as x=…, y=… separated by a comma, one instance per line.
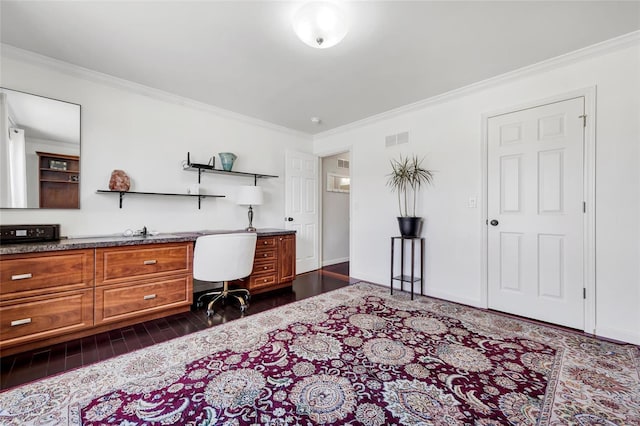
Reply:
x=250, y=228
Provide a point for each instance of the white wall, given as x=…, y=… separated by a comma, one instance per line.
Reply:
x=448, y=133
x=335, y=215
x=149, y=139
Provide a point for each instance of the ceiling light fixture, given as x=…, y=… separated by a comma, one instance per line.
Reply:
x=320, y=24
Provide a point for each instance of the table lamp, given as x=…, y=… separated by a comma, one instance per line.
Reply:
x=250, y=196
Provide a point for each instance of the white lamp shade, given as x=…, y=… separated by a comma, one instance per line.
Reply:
x=320, y=24
x=250, y=196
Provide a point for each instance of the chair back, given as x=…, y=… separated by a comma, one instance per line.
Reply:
x=224, y=257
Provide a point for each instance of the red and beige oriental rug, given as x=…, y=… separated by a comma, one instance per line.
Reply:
x=354, y=356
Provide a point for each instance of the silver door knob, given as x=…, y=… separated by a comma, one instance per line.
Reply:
x=288, y=219
x=494, y=222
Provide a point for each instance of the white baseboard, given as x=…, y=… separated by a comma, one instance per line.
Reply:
x=476, y=303
x=628, y=336
x=428, y=292
x=334, y=261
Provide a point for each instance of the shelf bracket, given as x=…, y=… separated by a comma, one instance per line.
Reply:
x=121, y=197
x=199, y=201
x=199, y=174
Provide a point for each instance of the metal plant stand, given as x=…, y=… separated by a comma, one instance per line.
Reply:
x=411, y=278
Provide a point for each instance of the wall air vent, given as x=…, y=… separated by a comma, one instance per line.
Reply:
x=390, y=141
x=343, y=164
x=397, y=139
x=402, y=138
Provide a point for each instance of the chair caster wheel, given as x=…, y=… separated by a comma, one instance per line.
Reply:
x=209, y=313
x=199, y=305
x=243, y=308
x=248, y=297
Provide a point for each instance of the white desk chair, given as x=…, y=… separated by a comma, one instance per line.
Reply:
x=224, y=257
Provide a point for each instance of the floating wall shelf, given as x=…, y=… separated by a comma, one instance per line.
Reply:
x=207, y=168
x=122, y=193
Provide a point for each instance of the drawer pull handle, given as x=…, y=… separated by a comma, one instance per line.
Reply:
x=265, y=280
x=266, y=267
x=264, y=255
x=150, y=296
x=265, y=243
x=150, y=262
x=20, y=322
x=21, y=277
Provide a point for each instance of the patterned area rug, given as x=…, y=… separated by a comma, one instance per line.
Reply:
x=352, y=356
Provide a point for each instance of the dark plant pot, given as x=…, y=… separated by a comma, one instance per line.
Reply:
x=410, y=226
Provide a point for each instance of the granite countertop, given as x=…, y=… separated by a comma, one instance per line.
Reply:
x=120, y=240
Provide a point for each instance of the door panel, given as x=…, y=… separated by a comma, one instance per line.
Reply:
x=535, y=195
x=301, y=198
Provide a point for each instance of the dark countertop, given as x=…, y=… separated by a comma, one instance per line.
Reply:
x=119, y=240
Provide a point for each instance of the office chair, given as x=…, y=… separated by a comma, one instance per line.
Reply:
x=224, y=257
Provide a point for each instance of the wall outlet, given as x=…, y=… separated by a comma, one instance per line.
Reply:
x=473, y=202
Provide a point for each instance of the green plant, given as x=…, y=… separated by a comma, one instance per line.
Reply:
x=408, y=175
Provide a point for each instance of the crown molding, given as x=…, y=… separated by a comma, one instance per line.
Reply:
x=120, y=83
x=606, y=46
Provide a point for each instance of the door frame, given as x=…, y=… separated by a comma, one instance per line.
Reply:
x=321, y=155
x=589, y=196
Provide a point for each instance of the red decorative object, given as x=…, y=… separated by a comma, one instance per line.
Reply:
x=119, y=181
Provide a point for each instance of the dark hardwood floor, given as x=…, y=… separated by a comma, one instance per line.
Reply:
x=32, y=365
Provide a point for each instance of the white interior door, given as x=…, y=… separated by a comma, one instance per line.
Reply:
x=301, y=211
x=535, y=212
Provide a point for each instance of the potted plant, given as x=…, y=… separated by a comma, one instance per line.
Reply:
x=406, y=178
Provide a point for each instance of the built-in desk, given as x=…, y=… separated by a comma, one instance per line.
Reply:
x=56, y=291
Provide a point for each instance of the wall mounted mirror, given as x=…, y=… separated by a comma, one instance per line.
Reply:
x=39, y=152
x=338, y=183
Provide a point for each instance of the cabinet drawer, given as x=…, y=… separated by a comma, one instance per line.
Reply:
x=35, y=318
x=265, y=243
x=124, y=301
x=265, y=255
x=260, y=281
x=264, y=267
x=125, y=263
x=30, y=274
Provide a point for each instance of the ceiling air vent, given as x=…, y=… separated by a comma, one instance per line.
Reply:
x=396, y=139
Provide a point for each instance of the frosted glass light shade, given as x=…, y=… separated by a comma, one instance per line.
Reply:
x=320, y=24
x=250, y=196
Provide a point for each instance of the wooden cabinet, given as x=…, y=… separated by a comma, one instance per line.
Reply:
x=274, y=265
x=50, y=297
x=59, y=180
x=35, y=274
x=55, y=296
x=35, y=318
x=286, y=258
x=138, y=281
x=45, y=295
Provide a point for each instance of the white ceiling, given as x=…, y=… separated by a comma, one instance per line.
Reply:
x=244, y=57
